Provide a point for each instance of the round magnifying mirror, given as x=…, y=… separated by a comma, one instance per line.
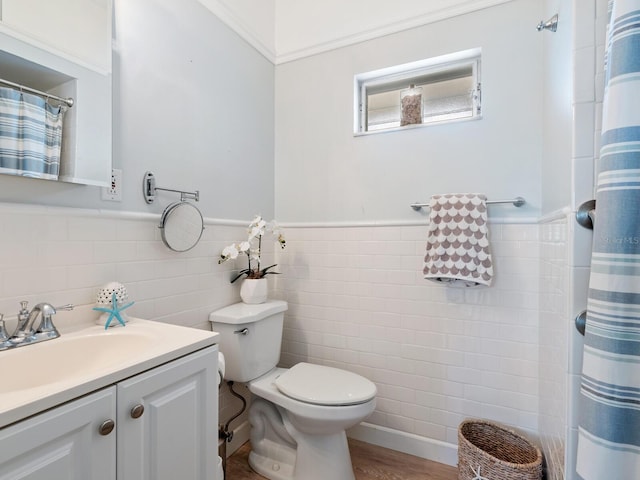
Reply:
x=181, y=226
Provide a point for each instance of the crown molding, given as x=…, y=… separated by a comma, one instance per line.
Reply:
x=220, y=10
x=413, y=22
x=233, y=21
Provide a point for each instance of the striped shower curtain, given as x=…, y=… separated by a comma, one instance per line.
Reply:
x=30, y=135
x=609, y=423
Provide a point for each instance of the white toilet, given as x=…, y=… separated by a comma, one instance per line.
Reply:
x=299, y=415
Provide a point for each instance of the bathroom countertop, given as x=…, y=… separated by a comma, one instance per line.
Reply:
x=40, y=376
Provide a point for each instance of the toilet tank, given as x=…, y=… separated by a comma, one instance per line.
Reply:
x=250, y=337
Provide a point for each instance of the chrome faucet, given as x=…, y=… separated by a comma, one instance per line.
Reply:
x=25, y=333
x=23, y=320
x=4, y=336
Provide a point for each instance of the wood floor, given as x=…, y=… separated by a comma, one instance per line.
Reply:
x=369, y=463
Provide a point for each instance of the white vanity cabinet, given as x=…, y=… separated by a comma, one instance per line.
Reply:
x=165, y=428
x=63, y=443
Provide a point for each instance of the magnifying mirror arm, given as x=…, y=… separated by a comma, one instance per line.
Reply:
x=149, y=190
x=183, y=195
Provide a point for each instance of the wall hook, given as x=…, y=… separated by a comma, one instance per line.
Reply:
x=581, y=322
x=586, y=214
x=551, y=24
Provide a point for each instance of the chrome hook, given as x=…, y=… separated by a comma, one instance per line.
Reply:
x=551, y=24
x=586, y=214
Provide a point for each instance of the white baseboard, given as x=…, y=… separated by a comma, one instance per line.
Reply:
x=409, y=443
x=240, y=437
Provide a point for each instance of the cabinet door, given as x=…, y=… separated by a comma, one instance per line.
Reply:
x=176, y=435
x=62, y=443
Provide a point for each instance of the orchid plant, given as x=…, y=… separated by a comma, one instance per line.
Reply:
x=257, y=228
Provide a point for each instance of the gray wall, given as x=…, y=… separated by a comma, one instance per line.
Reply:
x=193, y=103
x=324, y=173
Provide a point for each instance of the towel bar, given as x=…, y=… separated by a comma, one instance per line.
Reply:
x=517, y=202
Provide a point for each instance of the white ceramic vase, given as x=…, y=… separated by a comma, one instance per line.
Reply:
x=253, y=290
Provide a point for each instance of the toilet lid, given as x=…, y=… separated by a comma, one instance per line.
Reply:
x=322, y=385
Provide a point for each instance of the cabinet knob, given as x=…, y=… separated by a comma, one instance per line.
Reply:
x=137, y=411
x=106, y=427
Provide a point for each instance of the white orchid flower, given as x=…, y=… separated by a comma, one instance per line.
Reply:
x=257, y=219
x=257, y=229
x=230, y=252
x=255, y=232
x=277, y=232
x=257, y=222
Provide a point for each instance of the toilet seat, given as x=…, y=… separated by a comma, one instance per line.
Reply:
x=321, y=385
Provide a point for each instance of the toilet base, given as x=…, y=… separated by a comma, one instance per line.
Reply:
x=274, y=466
x=299, y=456
x=312, y=461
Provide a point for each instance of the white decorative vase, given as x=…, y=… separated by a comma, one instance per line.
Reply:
x=104, y=299
x=254, y=290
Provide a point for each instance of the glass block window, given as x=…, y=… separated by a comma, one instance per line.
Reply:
x=430, y=91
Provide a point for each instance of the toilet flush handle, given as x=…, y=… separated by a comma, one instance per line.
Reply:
x=244, y=331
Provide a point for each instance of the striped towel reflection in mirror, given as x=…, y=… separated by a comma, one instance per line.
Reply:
x=30, y=135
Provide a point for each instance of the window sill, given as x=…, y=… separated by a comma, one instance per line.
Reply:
x=417, y=127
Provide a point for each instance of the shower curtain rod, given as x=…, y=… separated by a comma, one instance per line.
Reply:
x=517, y=202
x=67, y=101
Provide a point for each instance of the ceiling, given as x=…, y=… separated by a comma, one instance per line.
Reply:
x=286, y=30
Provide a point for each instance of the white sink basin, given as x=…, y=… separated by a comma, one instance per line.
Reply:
x=39, y=376
x=66, y=357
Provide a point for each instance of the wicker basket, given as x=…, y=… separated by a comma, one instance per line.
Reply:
x=487, y=451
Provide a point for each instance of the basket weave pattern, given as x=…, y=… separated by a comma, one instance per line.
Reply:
x=487, y=451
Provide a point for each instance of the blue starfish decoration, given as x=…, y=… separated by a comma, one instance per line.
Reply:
x=114, y=311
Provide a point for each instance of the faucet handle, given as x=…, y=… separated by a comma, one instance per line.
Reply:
x=24, y=311
x=46, y=325
x=4, y=336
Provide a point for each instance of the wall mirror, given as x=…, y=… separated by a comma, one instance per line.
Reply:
x=62, y=52
x=182, y=226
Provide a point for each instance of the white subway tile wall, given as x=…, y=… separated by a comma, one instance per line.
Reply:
x=555, y=327
x=590, y=20
x=358, y=301
x=63, y=256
